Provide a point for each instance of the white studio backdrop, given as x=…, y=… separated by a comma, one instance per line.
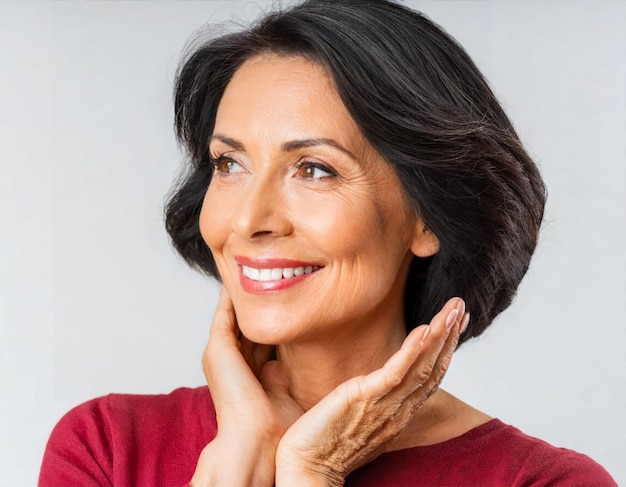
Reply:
x=94, y=300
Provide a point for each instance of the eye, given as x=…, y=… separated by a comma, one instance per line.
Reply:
x=226, y=165
x=314, y=170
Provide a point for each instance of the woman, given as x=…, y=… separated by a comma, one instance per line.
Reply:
x=352, y=179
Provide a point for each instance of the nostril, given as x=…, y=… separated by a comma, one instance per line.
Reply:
x=261, y=233
x=260, y=213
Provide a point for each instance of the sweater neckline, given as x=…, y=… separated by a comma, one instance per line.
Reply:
x=465, y=440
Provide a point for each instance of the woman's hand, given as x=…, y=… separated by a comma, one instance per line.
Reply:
x=256, y=442
x=361, y=418
x=252, y=403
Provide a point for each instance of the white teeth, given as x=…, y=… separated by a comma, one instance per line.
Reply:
x=251, y=273
x=277, y=273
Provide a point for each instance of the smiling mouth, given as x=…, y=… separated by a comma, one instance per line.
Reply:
x=278, y=273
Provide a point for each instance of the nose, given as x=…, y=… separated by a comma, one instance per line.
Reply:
x=261, y=210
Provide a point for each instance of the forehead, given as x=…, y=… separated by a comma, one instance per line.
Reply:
x=279, y=97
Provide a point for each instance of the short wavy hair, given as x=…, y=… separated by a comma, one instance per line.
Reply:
x=425, y=107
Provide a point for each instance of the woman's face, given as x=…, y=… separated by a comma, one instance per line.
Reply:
x=309, y=226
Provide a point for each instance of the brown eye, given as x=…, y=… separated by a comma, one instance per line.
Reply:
x=228, y=166
x=314, y=170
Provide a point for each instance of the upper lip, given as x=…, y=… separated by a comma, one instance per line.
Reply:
x=271, y=263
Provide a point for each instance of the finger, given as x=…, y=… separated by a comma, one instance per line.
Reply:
x=398, y=365
x=446, y=323
x=261, y=354
x=224, y=320
x=222, y=361
x=395, y=371
x=273, y=378
x=276, y=385
x=404, y=406
x=445, y=357
x=424, y=390
x=422, y=382
x=381, y=381
x=223, y=333
x=256, y=354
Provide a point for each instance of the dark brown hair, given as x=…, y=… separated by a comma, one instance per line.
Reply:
x=422, y=103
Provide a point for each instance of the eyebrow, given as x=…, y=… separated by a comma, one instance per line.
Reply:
x=289, y=146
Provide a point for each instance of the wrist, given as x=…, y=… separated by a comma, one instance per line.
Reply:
x=299, y=472
x=303, y=477
x=229, y=462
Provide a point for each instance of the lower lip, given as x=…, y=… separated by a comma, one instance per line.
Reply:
x=259, y=287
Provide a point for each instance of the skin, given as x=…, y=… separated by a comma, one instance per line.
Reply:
x=290, y=368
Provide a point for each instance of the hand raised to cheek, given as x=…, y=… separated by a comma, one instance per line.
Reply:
x=252, y=404
x=361, y=418
x=263, y=435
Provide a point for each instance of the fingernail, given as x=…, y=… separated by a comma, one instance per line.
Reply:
x=426, y=333
x=465, y=322
x=460, y=307
x=451, y=318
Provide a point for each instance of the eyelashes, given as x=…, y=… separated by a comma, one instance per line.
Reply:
x=226, y=165
x=314, y=170
x=304, y=169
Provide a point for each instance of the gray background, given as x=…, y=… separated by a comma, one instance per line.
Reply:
x=93, y=300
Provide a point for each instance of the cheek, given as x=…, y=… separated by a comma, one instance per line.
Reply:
x=351, y=226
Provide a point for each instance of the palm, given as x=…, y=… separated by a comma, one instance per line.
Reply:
x=250, y=391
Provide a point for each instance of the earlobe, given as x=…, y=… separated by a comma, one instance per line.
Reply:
x=425, y=242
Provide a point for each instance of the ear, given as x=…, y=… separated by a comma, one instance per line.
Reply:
x=425, y=243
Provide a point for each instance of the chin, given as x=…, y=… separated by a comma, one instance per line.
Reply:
x=266, y=329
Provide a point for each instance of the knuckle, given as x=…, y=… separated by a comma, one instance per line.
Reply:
x=421, y=376
x=393, y=380
x=443, y=367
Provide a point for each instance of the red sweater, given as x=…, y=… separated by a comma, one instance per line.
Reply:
x=155, y=440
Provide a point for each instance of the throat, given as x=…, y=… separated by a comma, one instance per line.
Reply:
x=315, y=370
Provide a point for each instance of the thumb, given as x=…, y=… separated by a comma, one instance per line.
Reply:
x=224, y=325
x=274, y=379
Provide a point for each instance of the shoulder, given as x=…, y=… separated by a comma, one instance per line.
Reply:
x=179, y=406
x=493, y=453
x=507, y=455
x=96, y=443
x=116, y=412
x=541, y=463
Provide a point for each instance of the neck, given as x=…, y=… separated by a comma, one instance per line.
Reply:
x=315, y=368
